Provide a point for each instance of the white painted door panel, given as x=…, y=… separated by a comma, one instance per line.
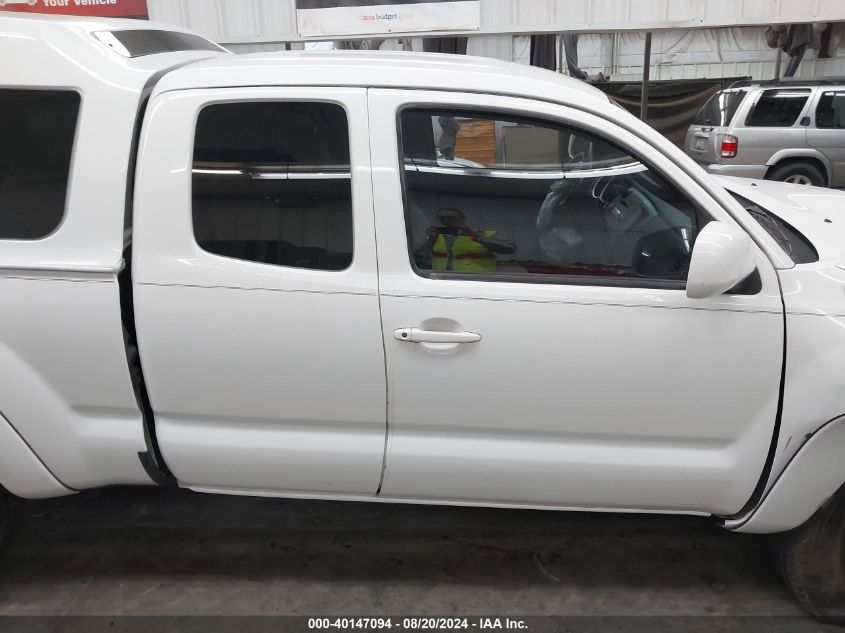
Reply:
x=266, y=390
x=582, y=405
x=262, y=377
x=575, y=396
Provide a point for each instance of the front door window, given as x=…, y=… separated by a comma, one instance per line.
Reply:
x=497, y=197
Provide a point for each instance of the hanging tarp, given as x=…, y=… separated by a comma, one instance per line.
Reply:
x=672, y=104
x=338, y=18
x=94, y=8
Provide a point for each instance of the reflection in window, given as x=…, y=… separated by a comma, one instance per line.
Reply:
x=529, y=201
x=272, y=184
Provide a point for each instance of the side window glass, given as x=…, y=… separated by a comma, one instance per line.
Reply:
x=830, y=112
x=778, y=108
x=272, y=183
x=720, y=109
x=528, y=201
x=38, y=128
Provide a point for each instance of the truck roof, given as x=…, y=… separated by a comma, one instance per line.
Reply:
x=71, y=51
x=74, y=51
x=381, y=69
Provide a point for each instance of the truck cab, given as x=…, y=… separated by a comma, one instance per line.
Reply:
x=396, y=277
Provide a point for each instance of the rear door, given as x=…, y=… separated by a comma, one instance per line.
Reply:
x=704, y=137
x=773, y=123
x=828, y=135
x=256, y=291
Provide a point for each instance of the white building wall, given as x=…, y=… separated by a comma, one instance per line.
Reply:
x=678, y=51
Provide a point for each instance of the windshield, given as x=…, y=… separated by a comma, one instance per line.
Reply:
x=798, y=247
x=720, y=110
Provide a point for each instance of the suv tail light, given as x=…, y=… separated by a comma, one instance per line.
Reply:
x=730, y=146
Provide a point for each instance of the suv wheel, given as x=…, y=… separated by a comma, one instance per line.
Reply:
x=813, y=561
x=799, y=173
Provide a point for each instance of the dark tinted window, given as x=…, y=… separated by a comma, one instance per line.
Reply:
x=720, y=109
x=778, y=108
x=271, y=183
x=798, y=247
x=499, y=198
x=830, y=112
x=137, y=43
x=37, y=129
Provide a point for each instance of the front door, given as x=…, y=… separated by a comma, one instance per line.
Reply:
x=256, y=290
x=541, y=349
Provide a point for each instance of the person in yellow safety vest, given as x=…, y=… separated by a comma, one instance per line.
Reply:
x=458, y=248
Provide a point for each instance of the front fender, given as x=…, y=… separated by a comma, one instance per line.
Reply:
x=813, y=475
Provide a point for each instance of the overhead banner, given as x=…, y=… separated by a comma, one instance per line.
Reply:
x=94, y=8
x=338, y=18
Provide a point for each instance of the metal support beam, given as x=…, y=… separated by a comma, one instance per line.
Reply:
x=560, y=60
x=778, y=62
x=646, y=77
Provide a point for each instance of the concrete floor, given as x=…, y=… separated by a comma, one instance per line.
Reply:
x=168, y=552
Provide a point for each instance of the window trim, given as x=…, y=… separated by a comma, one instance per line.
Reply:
x=303, y=269
x=530, y=278
x=71, y=163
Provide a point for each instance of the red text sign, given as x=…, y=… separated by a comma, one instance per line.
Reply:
x=99, y=8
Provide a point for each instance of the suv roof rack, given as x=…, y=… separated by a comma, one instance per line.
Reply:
x=790, y=81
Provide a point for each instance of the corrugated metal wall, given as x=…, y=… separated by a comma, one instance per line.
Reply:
x=264, y=25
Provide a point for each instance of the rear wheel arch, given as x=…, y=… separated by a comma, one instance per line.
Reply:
x=785, y=164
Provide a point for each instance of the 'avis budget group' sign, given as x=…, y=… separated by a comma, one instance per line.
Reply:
x=332, y=18
x=100, y=8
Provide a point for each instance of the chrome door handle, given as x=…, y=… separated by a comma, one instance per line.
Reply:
x=416, y=335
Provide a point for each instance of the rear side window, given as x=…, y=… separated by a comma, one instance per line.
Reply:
x=37, y=128
x=778, y=108
x=830, y=112
x=272, y=183
x=719, y=111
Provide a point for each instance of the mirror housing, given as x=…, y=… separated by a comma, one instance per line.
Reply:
x=722, y=257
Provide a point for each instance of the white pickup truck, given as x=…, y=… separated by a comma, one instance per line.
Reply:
x=404, y=278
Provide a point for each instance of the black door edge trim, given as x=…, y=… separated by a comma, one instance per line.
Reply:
x=760, y=490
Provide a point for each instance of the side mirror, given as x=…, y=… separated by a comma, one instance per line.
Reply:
x=722, y=257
